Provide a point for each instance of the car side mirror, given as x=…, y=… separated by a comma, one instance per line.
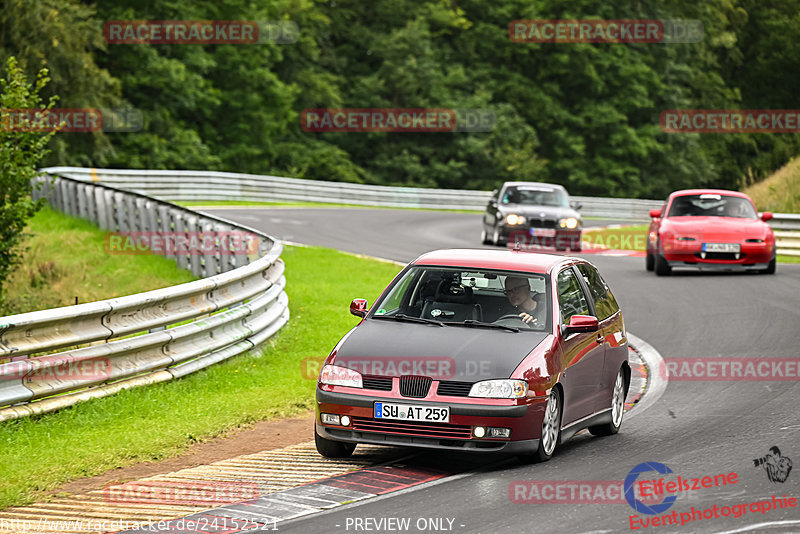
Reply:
x=576, y=205
x=581, y=323
x=359, y=307
x=766, y=216
x=655, y=214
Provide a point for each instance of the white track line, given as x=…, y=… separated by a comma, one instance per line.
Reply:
x=656, y=384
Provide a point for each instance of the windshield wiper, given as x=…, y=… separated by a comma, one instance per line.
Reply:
x=409, y=318
x=473, y=322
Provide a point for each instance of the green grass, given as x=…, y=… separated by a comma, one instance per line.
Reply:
x=154, y=422
x=66, y=258
x=239, y=203
x=780, y=192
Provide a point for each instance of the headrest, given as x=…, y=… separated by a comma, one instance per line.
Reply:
x=453, y=291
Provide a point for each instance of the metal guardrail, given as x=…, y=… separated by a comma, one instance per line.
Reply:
x=148, y=337
x=207, y=185
x=787, y=233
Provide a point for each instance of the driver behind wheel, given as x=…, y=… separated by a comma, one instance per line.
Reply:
x=518, y=291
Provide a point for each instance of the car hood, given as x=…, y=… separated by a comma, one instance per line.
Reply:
x=709, y=228
x=540, y=212
x=466, y=354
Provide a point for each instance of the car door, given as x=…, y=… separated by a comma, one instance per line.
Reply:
x=581, y=354
x=615, y=349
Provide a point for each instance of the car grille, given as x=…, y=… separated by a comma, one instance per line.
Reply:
x=719, y=256
x=431, y=430
x=415, y=386
x=454, y=389
x=382, y=383
x=542, y=223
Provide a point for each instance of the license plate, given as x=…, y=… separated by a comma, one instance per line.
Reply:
x=408, y=412
x=722, y=247
x=543, y=232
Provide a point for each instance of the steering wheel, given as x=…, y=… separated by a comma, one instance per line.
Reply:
x=512, y=316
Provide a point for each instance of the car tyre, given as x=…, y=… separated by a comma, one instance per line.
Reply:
x=496, y=239
x=649, y=262
x=485, y=238
x=770, y=268
x=333, y=449
x=617, y=408
x=551, y=428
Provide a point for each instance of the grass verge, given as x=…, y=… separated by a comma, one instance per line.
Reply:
x=780, y=192
x=66, y=258
x=155, y=422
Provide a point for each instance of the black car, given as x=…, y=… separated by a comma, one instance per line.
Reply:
x=532, y=213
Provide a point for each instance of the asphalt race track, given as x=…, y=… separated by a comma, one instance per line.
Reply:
x=697, y=428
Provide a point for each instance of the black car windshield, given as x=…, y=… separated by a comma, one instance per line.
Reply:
x=713, y=205
x=535, y=197
x=468, y=297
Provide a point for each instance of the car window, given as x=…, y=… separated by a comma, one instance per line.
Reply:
x=535, y=197
x=604, y=302
x=456, y=295
x=571, y=299
x=712, y=205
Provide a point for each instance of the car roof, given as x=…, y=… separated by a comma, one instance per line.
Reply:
x=683, y=192
x=534, y=184
x=509, y=260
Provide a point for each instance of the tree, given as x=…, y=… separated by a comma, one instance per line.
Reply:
x=21, y=150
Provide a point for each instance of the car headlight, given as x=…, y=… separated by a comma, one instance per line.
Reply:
x=499, y=389
x=513, y=219
x=569, y=222
x=334, y=375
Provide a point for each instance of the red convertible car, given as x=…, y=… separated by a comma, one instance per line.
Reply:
x=478, y=350
x=710, y=229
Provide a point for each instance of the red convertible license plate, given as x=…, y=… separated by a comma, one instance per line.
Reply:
x=722, y=247
x=408, y=412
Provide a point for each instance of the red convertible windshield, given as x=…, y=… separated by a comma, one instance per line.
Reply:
x=711, y=205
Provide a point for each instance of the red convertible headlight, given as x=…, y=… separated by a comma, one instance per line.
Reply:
x=499, y=389
x=333, y=375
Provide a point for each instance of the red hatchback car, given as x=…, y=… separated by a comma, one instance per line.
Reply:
x=478, y=350
x=710, y=229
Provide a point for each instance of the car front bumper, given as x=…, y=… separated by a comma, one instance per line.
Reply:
x=752, y=256
x=525, y=422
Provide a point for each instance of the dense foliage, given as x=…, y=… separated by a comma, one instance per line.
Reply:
x=584, y=115
x=20, y=153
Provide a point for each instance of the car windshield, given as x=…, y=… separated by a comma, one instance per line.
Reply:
x=535, y=197
x=475, y=298
x=712, y=205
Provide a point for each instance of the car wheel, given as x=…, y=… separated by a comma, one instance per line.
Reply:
x=333, y=449
x=649, y=262
x=551, y=428
x=485, y=237
x=662, y=267
x=496, y=239
x=617, y=409
x=770, y=268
